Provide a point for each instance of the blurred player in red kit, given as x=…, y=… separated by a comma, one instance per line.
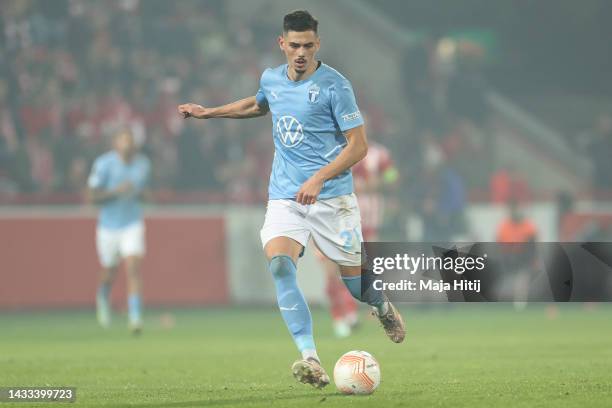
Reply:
x=370, y=176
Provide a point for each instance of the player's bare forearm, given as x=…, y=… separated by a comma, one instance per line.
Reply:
x=355, y=150
x=96, y=196
x=241, y=109
x=99, y=196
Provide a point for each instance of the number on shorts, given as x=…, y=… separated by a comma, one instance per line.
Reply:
x=347, y=236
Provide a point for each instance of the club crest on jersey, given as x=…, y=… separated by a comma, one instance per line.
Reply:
x=289, y=130
x=313, y=93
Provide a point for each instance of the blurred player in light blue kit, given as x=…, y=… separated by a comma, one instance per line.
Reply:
x=116, y=184
x=318, y=135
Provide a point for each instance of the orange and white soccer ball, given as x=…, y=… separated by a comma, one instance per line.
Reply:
x=357, y=372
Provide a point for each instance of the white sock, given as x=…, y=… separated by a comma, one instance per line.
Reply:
x=310, y=353
x=352, y=318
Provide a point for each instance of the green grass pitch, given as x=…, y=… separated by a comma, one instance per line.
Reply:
x=462, y=356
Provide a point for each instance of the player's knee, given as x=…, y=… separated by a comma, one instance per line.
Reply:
x=281, y=266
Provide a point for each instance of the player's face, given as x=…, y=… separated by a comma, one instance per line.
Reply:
x=124, y=144
x=300, y=48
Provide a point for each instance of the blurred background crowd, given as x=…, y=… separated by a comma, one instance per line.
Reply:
x=72, y=71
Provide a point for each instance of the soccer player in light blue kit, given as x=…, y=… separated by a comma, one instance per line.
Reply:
x=116, y=184
x=318, y=135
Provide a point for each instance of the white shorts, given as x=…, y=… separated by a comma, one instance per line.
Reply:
x=113, y=245
x=334, y=225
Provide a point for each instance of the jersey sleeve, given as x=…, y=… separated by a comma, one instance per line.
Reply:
x=260, y=96
x=344, y=107
x=98, y=176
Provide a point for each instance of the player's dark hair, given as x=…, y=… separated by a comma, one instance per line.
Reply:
x=300, y=20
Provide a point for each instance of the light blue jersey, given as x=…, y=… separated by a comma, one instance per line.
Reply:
x=308, y=118
x=109, y=171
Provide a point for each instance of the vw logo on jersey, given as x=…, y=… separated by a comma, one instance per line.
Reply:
x=290, y=131
x=313, y=93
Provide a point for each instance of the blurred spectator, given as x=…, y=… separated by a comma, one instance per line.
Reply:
x=9, y=143
x=516, y=227
x=507, y=185
x=440, y=198
x=519, y=256
x=199, y=155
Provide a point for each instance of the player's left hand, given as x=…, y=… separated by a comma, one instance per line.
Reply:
x=310, y=190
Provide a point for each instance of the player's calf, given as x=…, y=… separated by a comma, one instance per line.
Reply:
x=292, y=304
x=103, y=313
x=103, y=309
x=387, y=314
x=132, y=264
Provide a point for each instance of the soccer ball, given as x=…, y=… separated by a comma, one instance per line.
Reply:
x=357, y=372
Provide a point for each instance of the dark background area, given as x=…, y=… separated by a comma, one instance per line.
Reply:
x=544, y=45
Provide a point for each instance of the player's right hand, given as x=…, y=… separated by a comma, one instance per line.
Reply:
x=188, y=110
